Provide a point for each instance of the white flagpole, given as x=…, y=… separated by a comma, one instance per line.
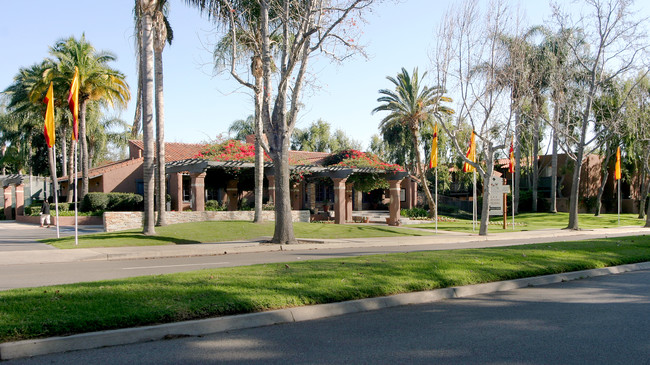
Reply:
x=76, y=231
x=474, y=202
x=512, y=197
x=435, y=215
x=56, y=193
x=619, y=201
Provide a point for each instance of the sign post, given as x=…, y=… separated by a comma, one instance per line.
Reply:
x=497, y=203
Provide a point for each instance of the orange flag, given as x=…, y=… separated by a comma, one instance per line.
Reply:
x=49, y=117
x=617, y=170
x=73, y=102
x=433, y=160
x=471, y=154
x=511, y=163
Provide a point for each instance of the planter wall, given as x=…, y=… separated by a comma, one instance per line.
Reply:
x=118, y=221
x=63, y=221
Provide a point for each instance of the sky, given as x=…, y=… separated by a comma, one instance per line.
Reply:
x=199, y=105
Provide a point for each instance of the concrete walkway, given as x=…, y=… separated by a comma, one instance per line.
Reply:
x=443, y=240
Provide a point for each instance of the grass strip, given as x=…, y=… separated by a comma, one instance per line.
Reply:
x=537, y=221
x=224, y=231
x=85, y=307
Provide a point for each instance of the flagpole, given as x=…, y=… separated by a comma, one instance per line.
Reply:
x=435, y=215
x=512, y=200
x=619, y=201
x=56, y=193
x=474, y=202
x=76, y=225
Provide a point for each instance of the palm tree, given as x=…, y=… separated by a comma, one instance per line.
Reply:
x=145, y=10
x=242, y=128
x=162, y=34
x=410, y=105
x=97, y=82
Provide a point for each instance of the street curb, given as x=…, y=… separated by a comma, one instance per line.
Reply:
x=85, y=341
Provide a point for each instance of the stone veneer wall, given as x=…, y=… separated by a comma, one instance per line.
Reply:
x=118, y=221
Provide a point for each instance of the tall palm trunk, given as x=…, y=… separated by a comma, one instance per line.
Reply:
x=161, y=177
x=83, y=144
x=516, y=184
x=556, y=117
x=64, y=152
x=420, y=170
x=137, y=118
x=52, y=162
x=257, y=70
x=535, y=165
x=146, y=56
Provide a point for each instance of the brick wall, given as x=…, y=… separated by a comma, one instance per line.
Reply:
x=118, y=221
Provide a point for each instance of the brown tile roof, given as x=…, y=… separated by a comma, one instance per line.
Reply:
x=307, y=158
x=175, y=151
x=100, y=170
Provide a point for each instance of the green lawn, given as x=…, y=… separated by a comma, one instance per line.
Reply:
x=535, y=221
x=223, y=231
x=84, y=307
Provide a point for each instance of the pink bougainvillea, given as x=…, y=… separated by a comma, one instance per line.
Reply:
x=358, y=159
x=231, y=150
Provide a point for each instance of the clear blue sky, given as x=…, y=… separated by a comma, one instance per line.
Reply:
x=198, y=105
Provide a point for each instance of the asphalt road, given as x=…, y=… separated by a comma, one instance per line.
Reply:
x=601, y=320
x=32, y=275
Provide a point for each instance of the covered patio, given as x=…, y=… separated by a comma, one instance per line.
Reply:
x=402, y=188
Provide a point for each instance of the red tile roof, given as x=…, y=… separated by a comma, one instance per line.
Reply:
x=307, y=158
x=100, y=170
x=175, y=151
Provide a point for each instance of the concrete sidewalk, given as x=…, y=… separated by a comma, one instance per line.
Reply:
x=442, y=240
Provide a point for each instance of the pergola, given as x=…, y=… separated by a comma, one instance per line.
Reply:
x=197, y=169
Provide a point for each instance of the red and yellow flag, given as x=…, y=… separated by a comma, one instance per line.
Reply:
x=471, y=154
x=49, y=117
x=433, y=159
x=73, y=103
x=617, y=169
x=511, y=163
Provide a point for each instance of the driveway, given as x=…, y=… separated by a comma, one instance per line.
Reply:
x=22, y=237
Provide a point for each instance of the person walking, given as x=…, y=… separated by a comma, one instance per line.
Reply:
x=45, y=213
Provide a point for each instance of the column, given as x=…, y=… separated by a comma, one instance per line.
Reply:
x=408, y=189
x=311, y=191
x=358, y=200
x=271, y=179
x=198, y=191
x=232, y=191
x=348, y=202
x=8, y=202
x=20, y=199
x=176, y=190
x=394, y=202
x=339, y=200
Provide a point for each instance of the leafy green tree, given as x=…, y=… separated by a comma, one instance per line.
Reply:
x=409, y=104
x=318, y=138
